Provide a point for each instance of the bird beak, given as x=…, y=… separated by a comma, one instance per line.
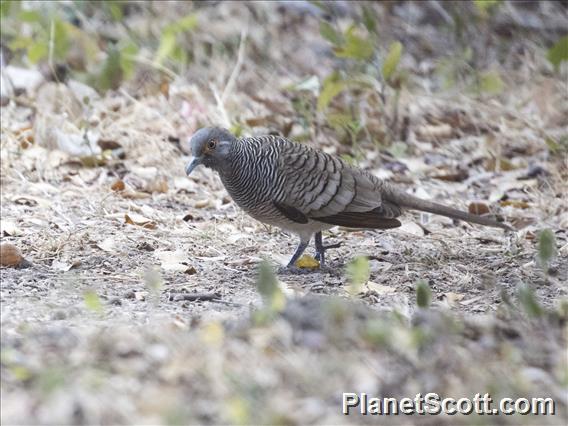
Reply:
x=195, y=161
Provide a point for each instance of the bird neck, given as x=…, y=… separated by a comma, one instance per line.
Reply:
x=243, y=166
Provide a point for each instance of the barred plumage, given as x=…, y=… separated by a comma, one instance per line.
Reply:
x=304, y=190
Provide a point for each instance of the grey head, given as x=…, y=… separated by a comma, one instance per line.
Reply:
x=211, y=147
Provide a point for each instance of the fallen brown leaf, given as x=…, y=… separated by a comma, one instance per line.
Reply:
x=10, y=256
x=118, y=185
x=478, y=208
x=451, y=298
x=380, y=289
x=435, y=132
x=519, y=204
x=139, y=220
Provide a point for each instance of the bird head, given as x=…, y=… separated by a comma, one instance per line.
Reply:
x=210, y=146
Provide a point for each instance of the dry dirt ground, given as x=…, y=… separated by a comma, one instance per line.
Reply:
x=105, y=325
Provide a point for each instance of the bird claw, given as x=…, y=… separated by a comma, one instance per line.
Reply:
x=321, y=250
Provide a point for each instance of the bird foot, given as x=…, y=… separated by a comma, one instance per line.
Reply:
x=320, y=252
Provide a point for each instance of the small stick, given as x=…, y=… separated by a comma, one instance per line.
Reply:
x=237, y=69
x=196, y=296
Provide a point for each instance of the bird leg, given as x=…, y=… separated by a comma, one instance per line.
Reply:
x=321, y=249
x=299, y=251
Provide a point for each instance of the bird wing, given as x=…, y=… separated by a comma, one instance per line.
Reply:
x=325, y=188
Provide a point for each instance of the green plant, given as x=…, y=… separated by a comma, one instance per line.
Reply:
x=358, y=78
x=529, y=302
x=358, y=272
x=423, y=294
x=558, y=53
x=365, y=76
x=56, y=33
x=546, y=248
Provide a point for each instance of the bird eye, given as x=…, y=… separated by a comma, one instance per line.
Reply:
x=212, y=144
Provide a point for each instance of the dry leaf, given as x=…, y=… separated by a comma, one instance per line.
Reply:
x=10, y=256
x=61, y=266
x=133, y=195
x=380, y=288
x=472, y=300
x=451, y=298
x=200, y=204
x=140, y=295
x=478, y=208
x=108, y=244
x=31, y=200
x=9, y=228
x=175, y=261
x=258, y=121
x=307, y=262
x=515, y=203
x=165, y=88
x=503, y=165
x=459, y=176
x=184, y=184
x=118, y=185
x=158, y=185
x=412, y=228
x=291, y=289
x=434, y=132
x=137, y=219
x=21, y=78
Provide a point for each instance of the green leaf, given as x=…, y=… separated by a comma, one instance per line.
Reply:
x=398, y=149
x=355, y=47
x=37, y=51
x=391, y=61
x=20, y=373
x=115, y=9
x=311, y=84
x=332, y=86
x=111, y=74
x=328, y=32
x=5, y=7
x=558, y=53
x=546, y=247
x=92, y=301
x=238, y=410
x=186, y=23
x=20, y=42
x=29, y=15
x=423, y=294
x=490, y=82
x=556, y=147
x=528, y=301
x=167, y=46
x=127, y=63
x=358, y=273
x=61, y=39
x=485, y=5
x=50, y=379
x=369, y=19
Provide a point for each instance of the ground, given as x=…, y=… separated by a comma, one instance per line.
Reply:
x=142, y=303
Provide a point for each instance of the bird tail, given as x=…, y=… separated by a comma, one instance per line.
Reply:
x=414, y=203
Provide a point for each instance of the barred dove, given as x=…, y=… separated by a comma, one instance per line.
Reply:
x=303, y=190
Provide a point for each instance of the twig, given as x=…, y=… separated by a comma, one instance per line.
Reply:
x=221, y=106
x=154, y=64
x=196, y=296
x=237, y=69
